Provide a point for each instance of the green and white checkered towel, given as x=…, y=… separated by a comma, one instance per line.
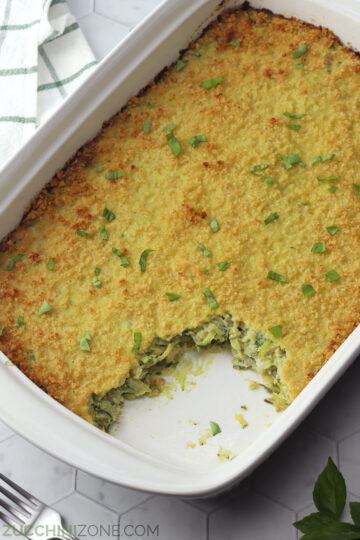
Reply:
x=43, y=58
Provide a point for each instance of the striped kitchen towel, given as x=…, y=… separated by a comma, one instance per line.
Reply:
x=43, y=58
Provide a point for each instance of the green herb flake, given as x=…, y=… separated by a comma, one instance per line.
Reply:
x=214, y=225
x=83, y=233
x=290, y=160
x=147, y=126
x=356, y=189
x=143, y=259
x=172, y=296
x=170, y=127
x=271, y=218
x=96, y=282
x=215, y=428
x=108, y=215
x=194, y=141
x=332, y=275
x=180, y=64
x=206, y=271
x=174, y=144
x=205, y=251
x=19, y=322
x=211, y=82
x=256, y=168
x=137, y=342
x=323, y=158
x=299, y=64
x=122, y=256
x=276, y=277
x=332, y=189
x=307, y=289
x=223, y=265
x=332, y=229
x=2, y=328
x=294, y=115
x=114, y=175
x=235, y=42
x=84, y=342
x=45, y=307
x=15, y=260
x=323, y=180
x=97, y=271
x=296, y=53
x=210, y=298
x=103, y=233
x=318, y=247
x=50, y=265
x=276, y=330
x=100, y=168
x=294, y=127
x=269, y=181
x=149, y=105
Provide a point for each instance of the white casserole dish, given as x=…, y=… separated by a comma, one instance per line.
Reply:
x=149, y=451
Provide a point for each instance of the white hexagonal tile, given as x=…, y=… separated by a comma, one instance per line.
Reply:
x=80, y=8
x=289, y=475
x=5, y=432
x=252, y=517
x=87, y=519
x=39, y=473
x=337, y=416
x=102, y=34
x=349, y=457
x=114, y=497
x=125, y=12
x=164, y=518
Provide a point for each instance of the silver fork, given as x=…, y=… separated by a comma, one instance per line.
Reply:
x=28, y=515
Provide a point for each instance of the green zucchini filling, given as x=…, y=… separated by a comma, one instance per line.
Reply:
x=251, y=349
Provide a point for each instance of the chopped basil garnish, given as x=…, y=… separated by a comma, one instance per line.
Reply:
x=295, y=53
x=235, y=42
x=150, y=105
x=271, y=218
x=50, y=265
x=2, y=328
x=332, y=189
x=332, y=229
x=205, y=251
x=256, y=168
x=323, y=180
x=173, y=143
x=114, y=175
x=100, y=168
x=206, y=271
x=276, y=330
x=103, y=233
x=96, y=282
x=97, y=271
x=356, y=189
x=307, y=289
x=299, y=64
x=276, y=277
x=294, y=115
x=194, y=141
x=83, y=233
x=215, y=428
x=15, y=260
x=143, y=258
x=108, y=215
x=212, y=82
x=332, y=275
x=269, y=181
x=84, y=342
x=318, y=247
x=326, y=157
x=291, y=159
x=147, y=126
x=19, y=322
x=172, y=296
x=137, y=342
x=223, y=265
x=122, y=256
x=214, y=226
x=168, y=128
x=45, y=307
x=294, y=127
x=210, y=298
x=180, y=64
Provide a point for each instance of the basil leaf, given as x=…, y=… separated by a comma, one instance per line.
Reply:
x=214, y=225
x=276, y=330
x=294, y=127
x=45, y=307
x=223, y=265
x=336, y=531
x=205, y=251
x=295, y=53
x=114, y=175
x=256, y=168
x=235, y=42
x=19, y=322
x=50, y=265
x=210, y=298
x=168, y=128
x=172, y=296
x=96, y=282
x=147, y=126
x=293, y=115
x=125, y=262
x=83, y=233
x=211, y=82
x=15, y=260
x=332, y=229
x=318, y=247
x=194, y=141
x=180, y=64
x=173, y=143
x=269, y=181
x=323, y=180
x=330, y=491
x=84, y=342
x=356, y=189
x=326, y=157
x=299, y=64
x=100, y=168
x=271, y=218
x=215, y=428
x=277, y=277
x=332, y=275
x=2, y=328
x=355, y=512
x=307, y=289
x=103, y=233
x=313, y=522
x=291, y=159
x=332, y=189
x=108, y=215
x=206, y=271
x=143, y=258
x=137, y=342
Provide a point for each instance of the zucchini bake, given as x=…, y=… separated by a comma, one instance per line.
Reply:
x=220, y=207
